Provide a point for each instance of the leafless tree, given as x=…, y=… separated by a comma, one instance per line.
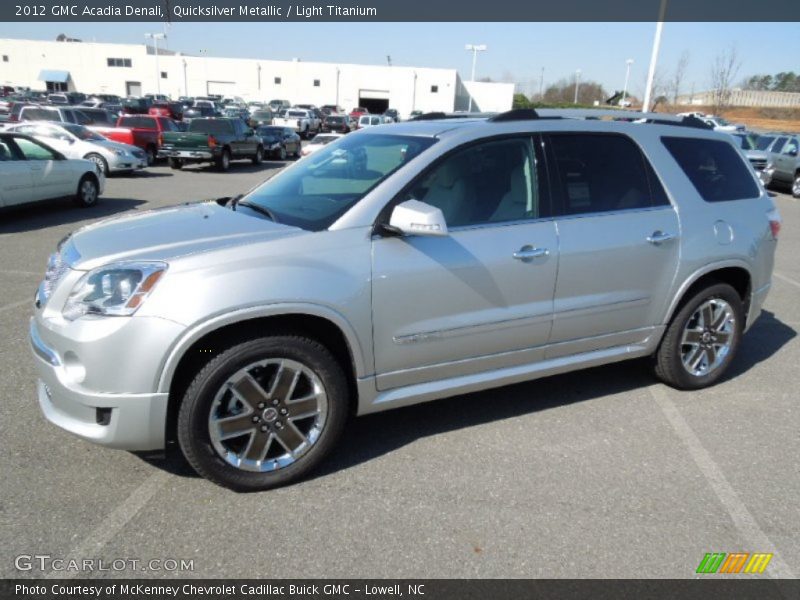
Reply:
x=678, y=76
x=723, y=72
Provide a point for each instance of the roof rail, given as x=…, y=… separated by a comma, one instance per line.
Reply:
x=435, y=116
x=517, y=114
x=624, y=115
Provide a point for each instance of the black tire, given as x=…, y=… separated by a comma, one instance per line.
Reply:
x=258, y=157
x=668, y=359
x=298, y=150
x=195, y=411
x=99, y=161
x=223, y=161
x=796, y=186
x=87, y=193
x=282, y=153
x=304, y=135
x=175, y=163
x=150, y=154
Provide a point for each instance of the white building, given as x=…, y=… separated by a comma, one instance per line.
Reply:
x=132, y=70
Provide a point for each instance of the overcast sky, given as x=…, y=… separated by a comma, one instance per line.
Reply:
x=516, y=51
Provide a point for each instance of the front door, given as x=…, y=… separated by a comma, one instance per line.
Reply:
x=481, y=297
x=15, y=176
x=52, y=177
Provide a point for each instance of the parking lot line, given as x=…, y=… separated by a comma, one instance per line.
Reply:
x=786, y=279
x=742, y=518
x=92, y=545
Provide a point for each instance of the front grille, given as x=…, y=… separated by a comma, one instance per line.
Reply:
x=758, y=163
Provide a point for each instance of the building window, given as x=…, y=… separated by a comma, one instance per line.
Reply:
x=316, y=83
x=163, y=74
x=277, y=81
x=5, y=57
x=118, y=62
x=434, y=89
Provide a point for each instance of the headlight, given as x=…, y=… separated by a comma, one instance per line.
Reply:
x=119, y=152
x=114, y=290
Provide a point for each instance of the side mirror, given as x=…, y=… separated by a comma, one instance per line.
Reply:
x=792, y=151
x=413, y=217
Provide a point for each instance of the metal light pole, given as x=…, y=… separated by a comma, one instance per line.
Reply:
x=651, y=73
x=185, y=80
x=541, y=85
x=628, y=64
x=474, y=48
x=577, y=84
x=155, y=37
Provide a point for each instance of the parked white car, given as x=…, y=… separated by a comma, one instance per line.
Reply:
x=77, y=141
x=718, y=123
x=370, y=121
x=320, y=140
x=31, y=171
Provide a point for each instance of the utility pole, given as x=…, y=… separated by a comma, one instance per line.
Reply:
x=541, y=85
x=651, y=73
x=474, y=48
x=577, y=84
x=155, y=37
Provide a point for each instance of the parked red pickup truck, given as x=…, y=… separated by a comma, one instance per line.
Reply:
x=143, y=131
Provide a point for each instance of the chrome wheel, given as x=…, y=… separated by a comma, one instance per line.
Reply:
x=796, y=187
x=707, y=337
x=268, y=415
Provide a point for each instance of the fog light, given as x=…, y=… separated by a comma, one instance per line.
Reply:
x=103, y=416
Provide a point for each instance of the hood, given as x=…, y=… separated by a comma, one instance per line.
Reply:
x=169, y=233
x=112, y=145
x=756, y=154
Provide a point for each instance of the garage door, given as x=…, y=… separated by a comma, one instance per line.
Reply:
x=375, y=101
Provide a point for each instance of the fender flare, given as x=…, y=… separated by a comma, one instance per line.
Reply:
x=166, y=371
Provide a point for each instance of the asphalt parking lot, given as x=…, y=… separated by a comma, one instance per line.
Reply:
x=600, y=473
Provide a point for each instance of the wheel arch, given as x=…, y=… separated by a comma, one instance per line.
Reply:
x=736, y=273
x=198, y=346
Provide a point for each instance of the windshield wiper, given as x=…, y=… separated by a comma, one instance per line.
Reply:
x=254, y=207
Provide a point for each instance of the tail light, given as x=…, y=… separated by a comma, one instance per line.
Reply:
x=774, y=223
x=212, y=141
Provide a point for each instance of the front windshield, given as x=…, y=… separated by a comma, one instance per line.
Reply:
x=84, y=134
x=763, y=141
x=745, y=143
x=313, y=193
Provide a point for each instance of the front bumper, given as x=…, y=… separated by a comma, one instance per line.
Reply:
x=126, y=163
x=68, y=398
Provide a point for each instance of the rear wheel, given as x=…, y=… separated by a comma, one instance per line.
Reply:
x=87, y=193
x=258, y=158
x=796, y=186
x=223, y=162
x=101, y=162
x=282, y=153
x=150, y=153
x=298, y=149
x=702, y=338
x=175, y=163
x=263, y=413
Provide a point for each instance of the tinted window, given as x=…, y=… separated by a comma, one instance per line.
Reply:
x=137, y=122
x=779, y=144
x=601, y=173
x=5, y=151
x=490, y=182
x=211, y=126
x=763, y=142
x=791, y=147
x=40, y=114
x=33, y=151
x=715, y=168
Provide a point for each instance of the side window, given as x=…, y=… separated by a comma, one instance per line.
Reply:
x=597, y=173
x=490, y=182
x=791, y=147
x=33, y=151
x=82, y=119
x=777, y=147
x=716, y=169
x=6, y=153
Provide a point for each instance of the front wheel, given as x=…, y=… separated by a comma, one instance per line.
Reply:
x=98, y=160
x=702, y=339
x=150, y=154
x=258, y=157
x=88, y=192
x=796, y=186
x=175, y=163
x=263, y=413
x=282, y=153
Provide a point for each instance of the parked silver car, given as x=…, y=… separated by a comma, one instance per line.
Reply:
x=783, y=166
x=403, y=263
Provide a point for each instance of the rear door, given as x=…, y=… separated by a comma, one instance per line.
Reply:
x=480, y=298
x=786, y=160
x=619, y=242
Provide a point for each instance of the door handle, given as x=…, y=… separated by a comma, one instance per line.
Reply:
x=658, y=237
x=528, y=253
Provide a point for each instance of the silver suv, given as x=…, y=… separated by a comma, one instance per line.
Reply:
x=401, y=264
x=783, y=167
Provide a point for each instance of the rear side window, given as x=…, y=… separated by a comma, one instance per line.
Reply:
x=40, y=114
x=596, y=173
x=715, y=168
x=138, y=122
x=211, y=127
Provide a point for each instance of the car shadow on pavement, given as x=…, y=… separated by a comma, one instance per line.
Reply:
x=237, y=167
x=32, y=217
x=369, y=437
